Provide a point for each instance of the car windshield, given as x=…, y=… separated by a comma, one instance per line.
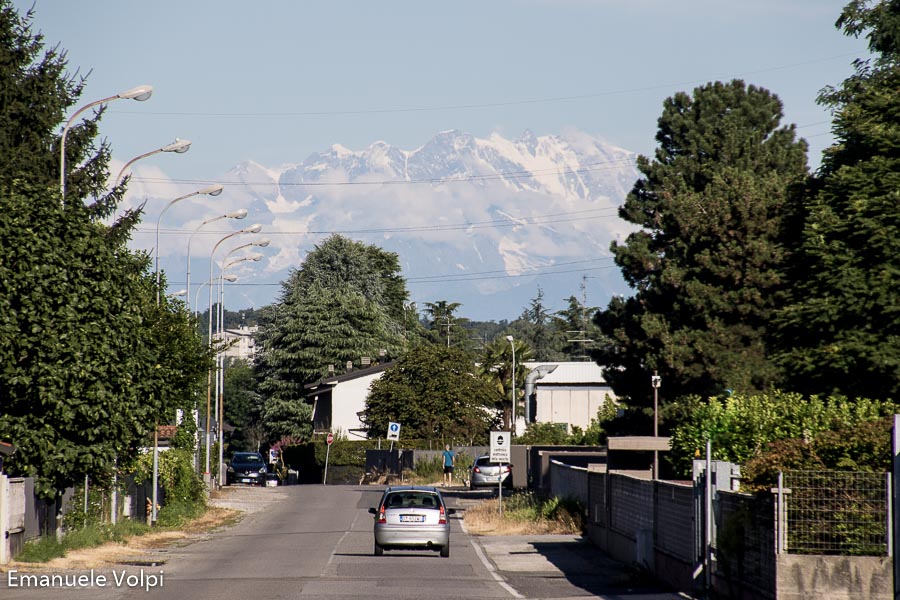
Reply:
x=411, y=500
x=254, y=459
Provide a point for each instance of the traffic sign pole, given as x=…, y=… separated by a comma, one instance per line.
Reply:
x=329, y=439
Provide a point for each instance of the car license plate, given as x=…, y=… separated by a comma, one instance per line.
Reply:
x=412, y=518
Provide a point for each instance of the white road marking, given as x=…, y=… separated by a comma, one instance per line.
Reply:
x=487, y=564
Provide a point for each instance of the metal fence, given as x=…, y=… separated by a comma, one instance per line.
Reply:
x=836, y=513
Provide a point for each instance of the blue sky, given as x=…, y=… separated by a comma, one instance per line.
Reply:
x=275, y=81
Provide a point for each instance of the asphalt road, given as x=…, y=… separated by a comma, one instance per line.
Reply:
x=316, y=542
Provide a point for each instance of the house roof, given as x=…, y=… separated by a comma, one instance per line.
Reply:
x=568, y=373
x=355, y=374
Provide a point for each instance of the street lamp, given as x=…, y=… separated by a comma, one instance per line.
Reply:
x=177, y=294
x=255, y=228
x=178, y=146
x=655, y=382
x=220, y=359
x=139, y=93
x=237, y=214
x=231, y=278
x=512, y=344
x=213, y=190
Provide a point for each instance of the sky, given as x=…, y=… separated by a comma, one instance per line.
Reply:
x=278, y=80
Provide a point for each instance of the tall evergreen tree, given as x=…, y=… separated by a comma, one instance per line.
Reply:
x=706, y=265
x=88, y=362
x=344, y=303
x=841, y=334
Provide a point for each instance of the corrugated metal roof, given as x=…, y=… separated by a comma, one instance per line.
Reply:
x=571, y=372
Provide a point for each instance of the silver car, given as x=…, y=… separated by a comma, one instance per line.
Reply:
x=485, y=473
x=412, y=518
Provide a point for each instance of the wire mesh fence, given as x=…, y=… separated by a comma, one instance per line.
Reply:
x=837, y=513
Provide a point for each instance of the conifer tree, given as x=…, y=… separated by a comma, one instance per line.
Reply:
x=706, y=265
x=841, y=334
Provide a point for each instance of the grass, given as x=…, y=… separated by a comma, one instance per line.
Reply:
x=48, y=547
x=525, y=513
x=100, y=543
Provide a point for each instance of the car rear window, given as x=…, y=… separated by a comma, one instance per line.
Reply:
x=485, y=462
x=412, y=500
x=247, y=458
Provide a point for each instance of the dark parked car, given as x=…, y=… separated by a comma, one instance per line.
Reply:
x=247, y=467
x=412, y=518
x=485, y=473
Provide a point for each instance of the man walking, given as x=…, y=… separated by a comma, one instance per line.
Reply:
x=449, y=462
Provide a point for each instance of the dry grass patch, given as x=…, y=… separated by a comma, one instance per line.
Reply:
x=111, y=553
x=525, y=514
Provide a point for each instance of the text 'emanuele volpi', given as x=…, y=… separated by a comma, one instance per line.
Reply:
x=141, y=579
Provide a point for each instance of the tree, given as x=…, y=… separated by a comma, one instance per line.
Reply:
x=435, y=393
x=89, y=362
x=581, y=333
x=445, y=327
x=707, y=264
x=534, y=326
x=496, y=367
x=243, y=406
x=841, y=333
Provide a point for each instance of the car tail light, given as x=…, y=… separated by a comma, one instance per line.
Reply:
x=476, y=470
x=508, y=468
x=442, y=520
x=381, y=517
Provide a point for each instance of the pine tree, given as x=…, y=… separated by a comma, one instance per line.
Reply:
x=841, y=334
x=707, y=264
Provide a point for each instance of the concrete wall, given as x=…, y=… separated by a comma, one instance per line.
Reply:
x=834, y=577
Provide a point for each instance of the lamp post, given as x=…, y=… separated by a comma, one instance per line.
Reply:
x=220, y=359
x=178, y=146
x=213, y=190
x=139, y=93
x=255, y=228
x=237, y=214
x=655, y=382
x=512, y=344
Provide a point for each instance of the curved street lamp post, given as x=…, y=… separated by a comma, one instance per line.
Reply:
x=255, y=228
x=213, y=190
x=237, y=214
x=139, y=93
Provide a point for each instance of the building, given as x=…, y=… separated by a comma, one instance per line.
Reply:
x=570, y=393
x=241, y=343
x=338, y=401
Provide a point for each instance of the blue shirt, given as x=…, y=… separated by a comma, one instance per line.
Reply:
x=448, y=458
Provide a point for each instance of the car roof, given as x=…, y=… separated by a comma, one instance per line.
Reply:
x=411, y=488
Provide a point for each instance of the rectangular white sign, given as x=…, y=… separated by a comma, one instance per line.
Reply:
x=500, y=441
x=393, y=432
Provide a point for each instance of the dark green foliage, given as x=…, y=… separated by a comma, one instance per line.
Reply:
x=707, y=264
x=243, y=406
x=496, y=368
x=88, y=362
x=841, y=334
x=434, y=392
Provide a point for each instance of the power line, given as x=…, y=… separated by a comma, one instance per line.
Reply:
x=480, y=105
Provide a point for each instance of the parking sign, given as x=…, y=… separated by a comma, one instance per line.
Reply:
x=393, y=431
x=500, y=446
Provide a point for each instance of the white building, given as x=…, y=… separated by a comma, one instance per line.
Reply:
x=242, y=343
x=338, y=401
x=571, y=393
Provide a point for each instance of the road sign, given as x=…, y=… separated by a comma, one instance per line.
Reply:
x=500, y=446
x=393, y=431
x=329, y=439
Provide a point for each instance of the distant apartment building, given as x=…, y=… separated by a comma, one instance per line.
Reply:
x=241, y=343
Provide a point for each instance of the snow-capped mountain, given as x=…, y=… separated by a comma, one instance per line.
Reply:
x=479, y=221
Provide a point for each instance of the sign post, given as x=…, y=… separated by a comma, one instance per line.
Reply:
x=329, y=439
x=500, y=454
x=393, y=433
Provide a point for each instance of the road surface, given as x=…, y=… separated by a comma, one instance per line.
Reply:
x=316, y=541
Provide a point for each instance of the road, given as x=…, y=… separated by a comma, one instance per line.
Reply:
x=316, y=542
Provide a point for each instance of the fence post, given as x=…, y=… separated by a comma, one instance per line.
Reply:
x=892, y=499
x=5, y=502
